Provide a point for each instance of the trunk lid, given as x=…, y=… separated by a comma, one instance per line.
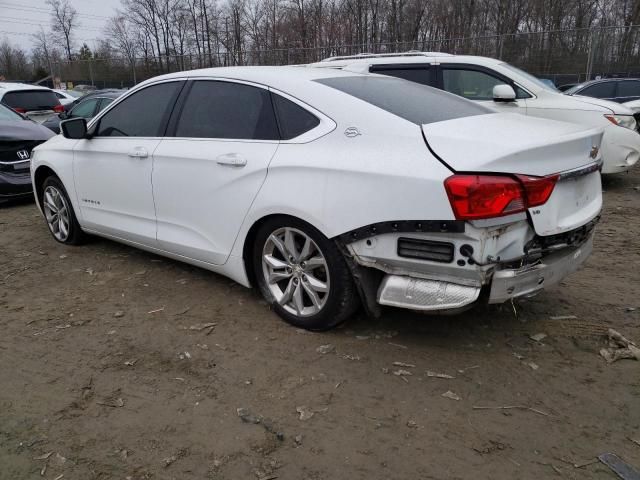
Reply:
x=511, y=143
x=516, y=144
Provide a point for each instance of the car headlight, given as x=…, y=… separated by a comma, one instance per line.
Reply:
x=626, y=121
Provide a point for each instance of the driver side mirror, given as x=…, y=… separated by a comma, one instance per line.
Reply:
x=504, y=93
x=75, y=128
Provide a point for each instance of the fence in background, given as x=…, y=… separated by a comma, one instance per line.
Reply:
x=564, y=56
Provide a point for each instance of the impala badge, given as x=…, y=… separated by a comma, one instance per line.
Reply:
x=23, y=154
x=352, y=132
x=594, y=152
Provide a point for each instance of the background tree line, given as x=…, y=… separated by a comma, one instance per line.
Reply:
x=154, y=36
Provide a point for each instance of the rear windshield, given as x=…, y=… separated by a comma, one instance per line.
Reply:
x=31, y=99
x=409, y=100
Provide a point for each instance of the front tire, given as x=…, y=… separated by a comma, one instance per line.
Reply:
x=303, y=275
x=59, y=214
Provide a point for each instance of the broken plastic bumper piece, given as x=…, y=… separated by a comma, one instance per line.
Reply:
x=420, y=294
x=530, y=279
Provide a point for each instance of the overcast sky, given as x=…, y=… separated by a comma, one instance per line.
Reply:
x=19, y=19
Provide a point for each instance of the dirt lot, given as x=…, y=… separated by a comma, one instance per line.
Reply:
x=105, y=369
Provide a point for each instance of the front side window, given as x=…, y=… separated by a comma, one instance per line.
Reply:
x=215, y=109
x=142, y=114
x=84, y=109
x=599, y=90
x=104, y=103
x=471, y=84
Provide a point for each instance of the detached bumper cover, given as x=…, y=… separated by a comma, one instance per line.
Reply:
x=530, y=279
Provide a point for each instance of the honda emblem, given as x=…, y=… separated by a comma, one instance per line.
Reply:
x=23, y=154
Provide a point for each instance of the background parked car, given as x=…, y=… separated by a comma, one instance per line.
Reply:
x=86, y=107
x=37, y=103
x=18, y=136
x=65, y=97
x=506, y=88
x=619, y=90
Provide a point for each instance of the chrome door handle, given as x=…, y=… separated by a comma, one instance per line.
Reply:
x=231, y=159
x=138, y=152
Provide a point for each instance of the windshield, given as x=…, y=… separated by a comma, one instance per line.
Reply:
x=8, y=114
x=535, y=80
x=413, y=102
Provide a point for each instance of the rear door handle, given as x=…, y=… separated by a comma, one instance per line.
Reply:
x=138, y=152
x=231, y=159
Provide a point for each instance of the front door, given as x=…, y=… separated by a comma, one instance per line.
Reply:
x=113, y=169
x=210, y=167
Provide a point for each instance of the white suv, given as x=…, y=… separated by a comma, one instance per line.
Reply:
x=35, y=102
x=507, y=89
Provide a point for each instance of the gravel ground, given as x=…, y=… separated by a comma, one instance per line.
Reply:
x=115, y=363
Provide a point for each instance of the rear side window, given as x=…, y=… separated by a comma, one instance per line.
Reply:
x=413, y=102
x=629, y=88
x=30, y=100
x=217, y=109
x=420, y=74
x=599, y=90
x=293, y=119
x=142, y=114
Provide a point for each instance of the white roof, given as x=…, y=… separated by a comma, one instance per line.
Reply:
x=20, y=86
x=406, y=57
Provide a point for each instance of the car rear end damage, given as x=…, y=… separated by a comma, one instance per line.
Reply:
x=525, y=219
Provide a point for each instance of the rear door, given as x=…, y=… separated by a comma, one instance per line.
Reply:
x=476, y=83
x=113, y=169
x=211, y=166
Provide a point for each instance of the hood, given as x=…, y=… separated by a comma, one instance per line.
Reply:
x=613, y=107
x=512, y=143
x=23, y=130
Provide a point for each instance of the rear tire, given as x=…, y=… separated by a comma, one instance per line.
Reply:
x=303, y=275
x=59, y=214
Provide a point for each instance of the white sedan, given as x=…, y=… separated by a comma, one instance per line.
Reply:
x=326, y=189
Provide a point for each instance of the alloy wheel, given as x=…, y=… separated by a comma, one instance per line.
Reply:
x=295, y=271
x=56, y=212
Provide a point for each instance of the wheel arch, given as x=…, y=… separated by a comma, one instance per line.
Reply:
x=250, y=238
x=39, y=176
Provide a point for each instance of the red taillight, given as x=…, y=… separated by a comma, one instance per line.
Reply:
x=58, y=108
x=538, y=189
x=19, y=110
x=488, y=196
